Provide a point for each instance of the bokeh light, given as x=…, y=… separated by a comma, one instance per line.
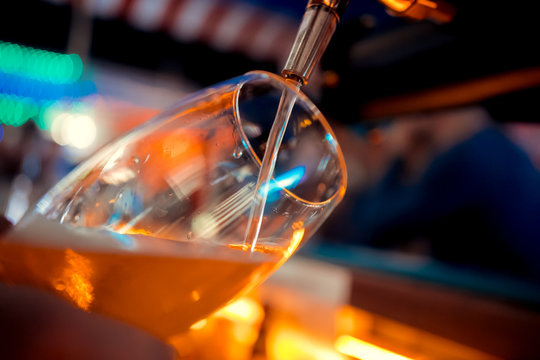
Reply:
x=40, y=64
x=33, y=81
x=74, y=129
x=39, y=90
x=15, y=110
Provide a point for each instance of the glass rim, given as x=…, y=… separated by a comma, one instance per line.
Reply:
x=280, y=82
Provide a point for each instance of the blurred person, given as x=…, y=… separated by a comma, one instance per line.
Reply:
x=39, y=325
x=448, y=183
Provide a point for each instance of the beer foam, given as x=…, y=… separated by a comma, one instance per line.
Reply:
x=37, y=230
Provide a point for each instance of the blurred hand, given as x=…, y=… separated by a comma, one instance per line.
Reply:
x=38, y=325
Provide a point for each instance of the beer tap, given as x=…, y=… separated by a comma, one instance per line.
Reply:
x=314, y=34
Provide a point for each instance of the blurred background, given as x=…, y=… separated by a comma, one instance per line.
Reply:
x=434, y=252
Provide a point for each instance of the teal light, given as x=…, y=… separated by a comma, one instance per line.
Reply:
x=77, y=66
x=15, y=111
x=41, y=118
x=40, y=64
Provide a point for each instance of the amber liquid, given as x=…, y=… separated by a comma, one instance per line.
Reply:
x=163, y=292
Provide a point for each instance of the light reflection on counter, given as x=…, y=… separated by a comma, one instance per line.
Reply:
x=359, y=349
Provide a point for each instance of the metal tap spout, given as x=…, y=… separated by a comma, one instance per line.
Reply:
x=316, y=30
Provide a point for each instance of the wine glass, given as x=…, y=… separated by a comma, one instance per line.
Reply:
x=150, y=229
